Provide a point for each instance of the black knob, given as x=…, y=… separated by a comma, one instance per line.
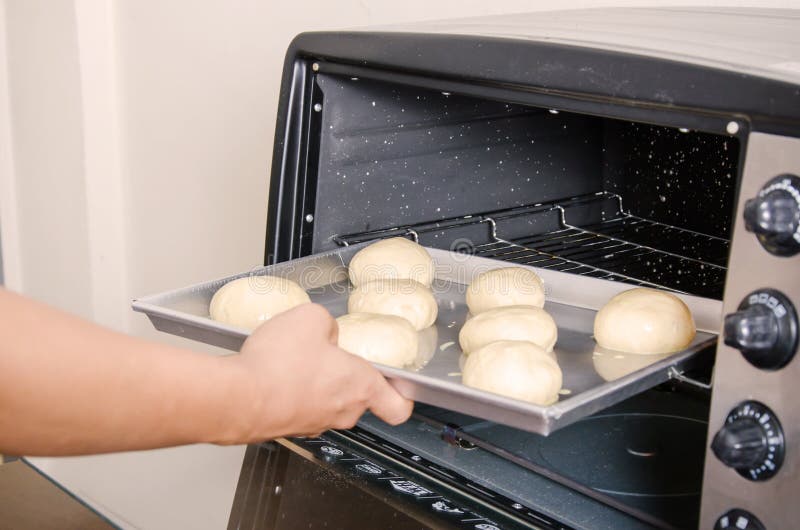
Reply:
x=774, y=215
x=741, y=445
x=751, y=441
x=764, y=329
x=737, y=519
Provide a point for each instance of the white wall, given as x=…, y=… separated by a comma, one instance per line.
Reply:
x=135, y=140
x=47, y=114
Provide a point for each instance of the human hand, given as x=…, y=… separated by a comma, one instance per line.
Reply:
x=302, y=383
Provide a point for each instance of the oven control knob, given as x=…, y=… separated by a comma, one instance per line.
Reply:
x=738, y=520
x=750, y=441
x=774, y=215
x=764, y=329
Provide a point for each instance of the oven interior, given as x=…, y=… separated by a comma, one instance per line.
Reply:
x=631, y=201
x=616, y=199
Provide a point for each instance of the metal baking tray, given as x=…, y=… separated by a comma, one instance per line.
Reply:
x=593, y=379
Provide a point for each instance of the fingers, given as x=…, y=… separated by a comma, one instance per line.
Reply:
x=316, y=319
x=307, y=435
x=388, y=404
x=324, y=322
x=333, y=332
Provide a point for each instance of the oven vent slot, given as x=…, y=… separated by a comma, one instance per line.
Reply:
x=592, y=235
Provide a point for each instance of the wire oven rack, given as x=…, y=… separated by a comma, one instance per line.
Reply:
x=619, y=247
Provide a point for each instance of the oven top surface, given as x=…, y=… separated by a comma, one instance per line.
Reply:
x=762, y=42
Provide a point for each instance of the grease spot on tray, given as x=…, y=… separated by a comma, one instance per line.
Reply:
x=446, y=345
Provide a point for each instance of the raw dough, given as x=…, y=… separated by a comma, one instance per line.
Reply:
x=392, y=258
x=385, y=339
x=517, y=369
x=503, y=287
x=518, y=322
x=644, y=320
x=248, y=302
x=404, y=298
x=428, y=343
x=611, y=365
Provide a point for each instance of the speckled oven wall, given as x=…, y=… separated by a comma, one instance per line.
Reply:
x=394, y=155
x=673, y=176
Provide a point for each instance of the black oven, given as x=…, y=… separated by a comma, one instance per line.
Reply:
x=652, y=147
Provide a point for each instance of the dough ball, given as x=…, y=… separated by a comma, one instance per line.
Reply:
x=644, y=320
x=404, y=298
x=517, y=369
x=504, y=287
x=428, y=345
x=250, y=301
x=518, y=322
x=384, y=339
x=611, y=365
x=391, y=258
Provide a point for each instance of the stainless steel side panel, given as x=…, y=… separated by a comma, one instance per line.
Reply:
x=571, y=300
x=751, y=267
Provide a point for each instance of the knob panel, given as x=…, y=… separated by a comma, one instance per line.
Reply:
x=764, y=329
x=751, y=441
x=774, y=215
x=751, y=267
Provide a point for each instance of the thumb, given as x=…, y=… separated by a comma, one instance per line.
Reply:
x=388, y=404
x=317, y=320
x=333, y=332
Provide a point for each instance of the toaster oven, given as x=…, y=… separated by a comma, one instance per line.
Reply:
x=654, y=147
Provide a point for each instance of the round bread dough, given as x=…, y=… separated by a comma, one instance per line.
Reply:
x=384, y=339
x=516, y=369
x=401, y=297
x=428, y=345
x=611, y=365
x=396, y=257
x=644, y=320
x=503, y=287
x=519, y=322
x=248, y=302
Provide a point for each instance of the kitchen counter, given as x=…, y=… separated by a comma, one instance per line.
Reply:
x=29, y=500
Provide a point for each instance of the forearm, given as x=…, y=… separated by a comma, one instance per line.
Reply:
x=70, y=387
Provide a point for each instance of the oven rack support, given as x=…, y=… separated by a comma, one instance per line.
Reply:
x=615, y=245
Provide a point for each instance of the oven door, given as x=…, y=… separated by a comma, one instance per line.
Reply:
x=419, y=475
x=338, y=481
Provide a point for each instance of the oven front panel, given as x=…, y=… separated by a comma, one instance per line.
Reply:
x=752, y=268
x=387, y=142
x=336, y=481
